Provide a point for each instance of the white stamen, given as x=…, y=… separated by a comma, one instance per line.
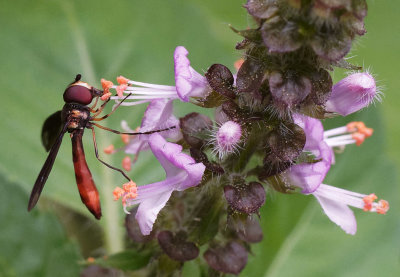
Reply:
x=335, y=131
x=141, y=84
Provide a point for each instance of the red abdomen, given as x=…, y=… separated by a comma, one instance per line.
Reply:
x=87, y=188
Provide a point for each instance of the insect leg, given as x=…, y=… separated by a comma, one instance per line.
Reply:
x=103, y=162
x=94, y=105
x=107, y=115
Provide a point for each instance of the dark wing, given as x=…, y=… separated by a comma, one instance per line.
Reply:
x=50, y=130
x=44, y=173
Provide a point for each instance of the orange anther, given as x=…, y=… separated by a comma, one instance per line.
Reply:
x=106, y=85
x=383, y=207
x=127, y=163
x=125, y=138
x=367, y=132
x=238, y=64
x=129, y=196
x=368, y=200
x=122, y=80
x=120, y=90
x=109, y=149
x=90, y=260
x=118, y=192
x=358, y=137
x=130, y=186
x=355, y=126
x=105, y=96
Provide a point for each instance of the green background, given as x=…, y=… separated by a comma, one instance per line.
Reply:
x=43, y=44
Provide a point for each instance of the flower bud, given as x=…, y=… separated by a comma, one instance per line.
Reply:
x=289, y=89
x=176, y=246
x=221, y=80
x=192, y=125
x=231, y=258
x=245, y=198
x=227, y=138
x=351, y=94
x=250, y=76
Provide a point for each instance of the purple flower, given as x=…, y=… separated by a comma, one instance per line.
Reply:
x=158, y=115
x=182, y=172
x=188, y=83
x=352, y=93
x=309, y=176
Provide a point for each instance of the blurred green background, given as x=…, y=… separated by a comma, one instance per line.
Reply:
x=43, y=44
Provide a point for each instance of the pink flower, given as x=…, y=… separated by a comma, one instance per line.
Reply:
x=188, y=83
x=352, y=93
x=182, y=172
x=309, y=176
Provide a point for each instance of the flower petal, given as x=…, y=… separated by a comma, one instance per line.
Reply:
x=148, y=210
x=174, y=161
x=338, y=213
x=188, y=82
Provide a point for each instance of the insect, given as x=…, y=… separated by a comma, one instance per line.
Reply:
x=74, y=118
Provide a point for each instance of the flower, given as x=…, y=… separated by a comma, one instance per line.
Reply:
x=182, y=172
x=352, y=93
x=188, y=83
x=158, y=116
x=309, y=176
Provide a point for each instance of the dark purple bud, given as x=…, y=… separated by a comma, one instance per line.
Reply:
x=133, y=230
x=289, y=89
x=287, y=142
x=245, y=198
x=246, y=227
x=176, y=246
x=192, y=125
x=321, y=82
x=250, y=76
x=221, y=80
x=281, y=35
x=333, y=45
x=231, y=258
x=262, y=8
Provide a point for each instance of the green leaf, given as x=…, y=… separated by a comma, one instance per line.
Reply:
x=32, y=244
x=126, y=260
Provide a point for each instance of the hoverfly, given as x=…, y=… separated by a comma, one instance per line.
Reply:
x=74, y=118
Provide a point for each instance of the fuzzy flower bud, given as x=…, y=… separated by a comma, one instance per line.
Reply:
x=227, y=138
x=352, y=93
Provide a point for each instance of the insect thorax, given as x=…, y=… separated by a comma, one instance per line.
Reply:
x=77, y=115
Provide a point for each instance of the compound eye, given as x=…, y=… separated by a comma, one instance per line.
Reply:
x=78, y=94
